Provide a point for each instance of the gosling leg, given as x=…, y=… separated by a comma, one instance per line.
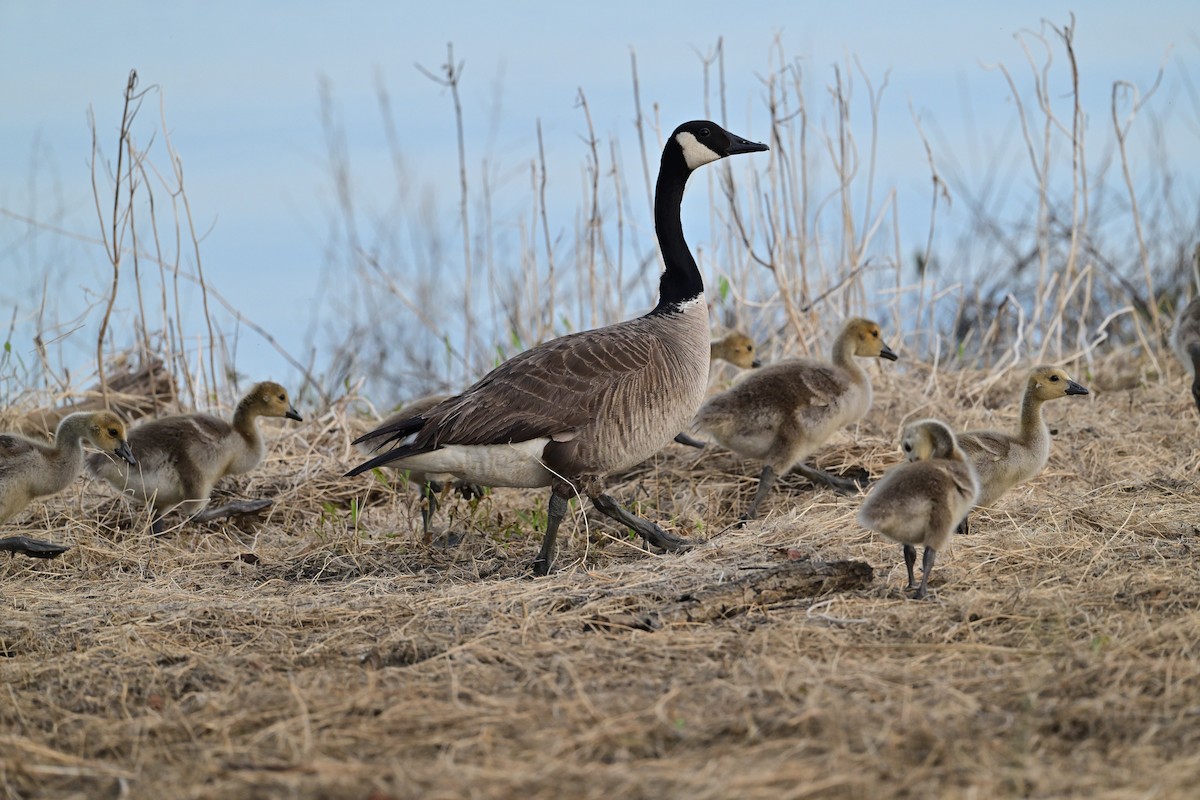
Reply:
x=820, y=476
x=766, y=479
x=910, y=558
x=964, y=527
x=926, y=567
x=684, y=439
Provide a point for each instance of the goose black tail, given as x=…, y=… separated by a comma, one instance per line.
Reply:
x=394, y=432
x=395, y=454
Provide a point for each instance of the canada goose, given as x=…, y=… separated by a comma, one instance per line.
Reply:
x=31, y=469
x=1004, y=460
x=735, y=348
x=921, y=501
x=430, y=483
x=786, y=410
x=569, y=411
x=1185, y=336
x=183, y=456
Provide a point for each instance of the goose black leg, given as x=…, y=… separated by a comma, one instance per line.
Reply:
x=428, y=509
x=554, y=517
x=820, y=476
x=926, y=567
x=653, y=534
x=910, y=558
x=766, y=479
x=34, y=548
x=684, y=439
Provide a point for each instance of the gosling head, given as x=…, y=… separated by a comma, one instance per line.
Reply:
x=106, y=431
x=269, y=399
x=867, y=339
x=1048, y=383
x=926, y=439
x=737, y=348
x=701, y=142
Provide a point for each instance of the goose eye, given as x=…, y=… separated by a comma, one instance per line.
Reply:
x=705, y=132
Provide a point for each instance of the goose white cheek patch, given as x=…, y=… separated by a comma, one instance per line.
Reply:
x=695, y=154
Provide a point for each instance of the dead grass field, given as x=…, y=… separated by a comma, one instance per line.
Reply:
x=322, y=653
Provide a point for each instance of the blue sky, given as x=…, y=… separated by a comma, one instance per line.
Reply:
x=239, y=83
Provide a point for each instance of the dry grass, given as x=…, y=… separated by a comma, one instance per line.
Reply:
x=310, y=655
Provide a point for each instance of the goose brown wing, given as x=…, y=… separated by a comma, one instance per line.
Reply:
x=549, y=391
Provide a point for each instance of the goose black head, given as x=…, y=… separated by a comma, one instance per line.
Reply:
x=703, y=142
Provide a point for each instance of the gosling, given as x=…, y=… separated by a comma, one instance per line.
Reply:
x=734, y=348
x=30, y=469
x=921, y=501
x=783, y=412
x=1004, y=460
x=183, y=456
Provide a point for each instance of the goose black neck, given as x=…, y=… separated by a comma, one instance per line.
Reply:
x=681, y=279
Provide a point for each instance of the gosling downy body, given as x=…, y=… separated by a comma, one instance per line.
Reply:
x=566, y=413
x=783, y=412
x=734, y=348
x=1004, y=460
x=30, y=469
x=183, y=456
x=919, y=502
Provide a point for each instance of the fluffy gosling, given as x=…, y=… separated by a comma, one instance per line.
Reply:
x=183, y=456
x=1004, y=460
x=919, y=502
x=30, y=469
x=783, y=412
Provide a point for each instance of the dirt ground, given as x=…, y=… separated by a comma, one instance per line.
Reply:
x=322, y=651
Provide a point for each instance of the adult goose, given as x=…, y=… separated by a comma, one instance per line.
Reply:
x=568, y=412
x=30, y=469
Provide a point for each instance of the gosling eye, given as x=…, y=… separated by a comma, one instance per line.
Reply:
x=1054, y=378
x=281, y=397
x=875, y=334
x=907, y=447
x=112, y=432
